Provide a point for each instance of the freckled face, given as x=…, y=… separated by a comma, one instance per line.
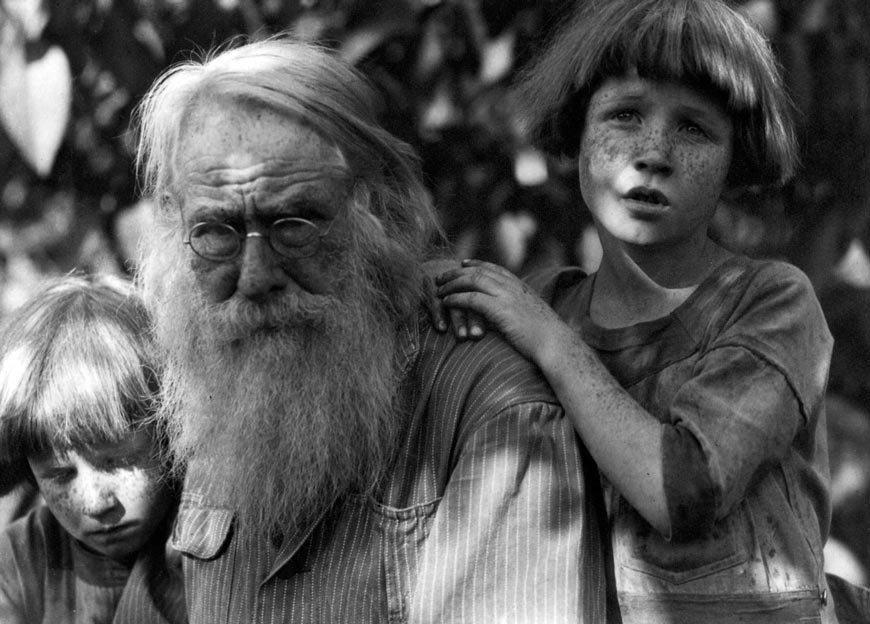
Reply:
x=109, y=497
x=654, y=157
x=248, y=167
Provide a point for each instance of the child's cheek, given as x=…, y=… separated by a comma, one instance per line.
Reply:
x=65, y=503
x=600, y=158
x=706, y=171
x=138, y=489
x=598, y=145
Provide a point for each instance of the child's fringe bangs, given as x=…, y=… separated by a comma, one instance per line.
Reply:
x=90, y=392
x=691, y=47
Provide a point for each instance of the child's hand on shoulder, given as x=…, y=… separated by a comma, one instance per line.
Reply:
x=504, y=301
x=463, y=322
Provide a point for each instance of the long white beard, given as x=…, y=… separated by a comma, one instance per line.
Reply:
x=290, y=404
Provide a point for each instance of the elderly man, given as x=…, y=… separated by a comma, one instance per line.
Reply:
x=344, y=461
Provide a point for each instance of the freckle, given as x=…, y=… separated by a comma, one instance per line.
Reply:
x=771, y=553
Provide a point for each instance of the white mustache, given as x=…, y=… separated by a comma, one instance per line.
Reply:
x=237, y=319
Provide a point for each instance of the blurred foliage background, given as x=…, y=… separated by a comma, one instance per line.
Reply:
x=71, y=70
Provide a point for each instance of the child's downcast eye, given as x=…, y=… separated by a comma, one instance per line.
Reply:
x=59, y=475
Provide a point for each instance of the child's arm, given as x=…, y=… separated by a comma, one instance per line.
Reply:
x=752, y=392
x=624, y=439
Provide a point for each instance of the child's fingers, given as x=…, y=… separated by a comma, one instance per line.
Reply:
x=448, y=276
x=471, y=267
x=434, y=305
x=467, y=324
x=487, y=267
x=458, y=321
x=481, y=279
x=476, y=325
x=478, y=303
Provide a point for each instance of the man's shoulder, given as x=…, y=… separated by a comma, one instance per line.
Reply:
x=488, y=370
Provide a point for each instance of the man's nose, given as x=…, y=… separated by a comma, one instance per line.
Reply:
x=261, y=271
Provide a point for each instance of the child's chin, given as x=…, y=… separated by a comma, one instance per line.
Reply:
x=123, y=547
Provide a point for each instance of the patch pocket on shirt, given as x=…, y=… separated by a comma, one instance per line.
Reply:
x=403, y=532
x=200, y=531
x=641, y=548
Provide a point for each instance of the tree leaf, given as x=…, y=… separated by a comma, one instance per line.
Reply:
x=35, y=103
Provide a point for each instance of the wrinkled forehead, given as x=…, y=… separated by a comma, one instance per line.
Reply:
x=226, y=142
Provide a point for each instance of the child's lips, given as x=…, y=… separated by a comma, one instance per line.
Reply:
x=113, y=531
x=648, y=197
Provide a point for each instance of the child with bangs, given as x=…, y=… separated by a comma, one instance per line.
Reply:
x=695, y=376
x=77, y=390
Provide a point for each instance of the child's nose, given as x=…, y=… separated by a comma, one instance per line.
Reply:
x=99, y=501
x=655, y=152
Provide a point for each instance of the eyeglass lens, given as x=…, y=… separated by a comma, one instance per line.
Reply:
x=221, y=241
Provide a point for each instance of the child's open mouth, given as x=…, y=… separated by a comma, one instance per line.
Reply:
x=647, y=196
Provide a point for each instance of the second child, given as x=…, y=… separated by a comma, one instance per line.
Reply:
x=78, y=386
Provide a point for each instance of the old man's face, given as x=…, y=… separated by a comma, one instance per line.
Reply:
x=280, y=376
x=248, y=171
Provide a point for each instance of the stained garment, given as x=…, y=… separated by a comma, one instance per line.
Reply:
x=483, y=518
x=737, y=376
x=47, y=577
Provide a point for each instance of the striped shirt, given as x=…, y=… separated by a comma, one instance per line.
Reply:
x=485, y=516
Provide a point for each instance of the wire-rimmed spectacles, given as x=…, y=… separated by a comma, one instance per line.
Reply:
x=291, y=237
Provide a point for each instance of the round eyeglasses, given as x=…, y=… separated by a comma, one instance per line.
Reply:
x=291, y=237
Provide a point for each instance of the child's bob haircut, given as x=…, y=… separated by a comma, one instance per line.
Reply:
x=76, y=369
x=702, y=43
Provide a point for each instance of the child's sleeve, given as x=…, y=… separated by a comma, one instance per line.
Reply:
x=737, y=417
x=11, y=584
x=756, y=394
